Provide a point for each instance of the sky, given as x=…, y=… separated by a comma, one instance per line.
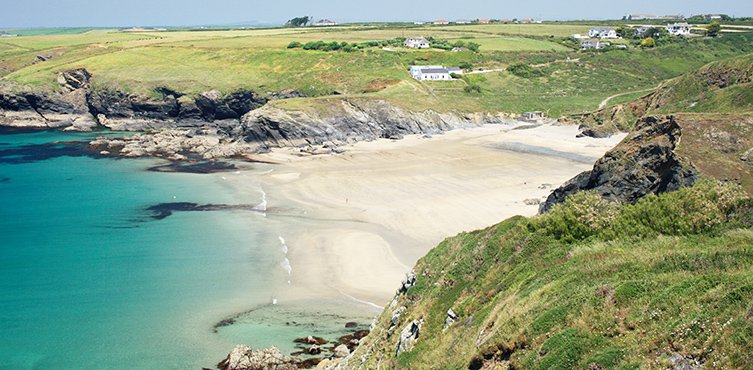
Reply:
x=121, y=13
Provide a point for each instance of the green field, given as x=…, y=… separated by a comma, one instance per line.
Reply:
x=566, y=80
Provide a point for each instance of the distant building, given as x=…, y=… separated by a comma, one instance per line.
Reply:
x=324, y=23
x=578, y=36
x=8, y=35
x=418, y=23
x=603, y=33
x=593, y=44
x=640, y=31
x=416, y=43
x=441, y=22
x=528, y=21
x=433, y=73
x=484, y=21
x=679, y=29
x=463, y=21
x=639, y=17
x=532, y=116
x=456, y=49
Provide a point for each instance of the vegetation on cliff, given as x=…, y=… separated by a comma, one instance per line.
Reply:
x=591, y=284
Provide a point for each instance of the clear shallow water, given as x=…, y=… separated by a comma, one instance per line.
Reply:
x=88, y=280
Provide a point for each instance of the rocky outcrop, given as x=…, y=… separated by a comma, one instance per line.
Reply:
x=340, y=121
x=645, y=162
x=408, y=336
x=244, y=358
x=345, y=120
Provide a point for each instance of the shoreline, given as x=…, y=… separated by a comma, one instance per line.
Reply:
x=371, y=212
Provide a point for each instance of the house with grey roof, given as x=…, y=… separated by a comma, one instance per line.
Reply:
x=434, y=73
x=603, y=33
x=416, y=43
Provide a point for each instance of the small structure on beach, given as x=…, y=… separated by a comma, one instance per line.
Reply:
x=416, y=42
x=532, y=116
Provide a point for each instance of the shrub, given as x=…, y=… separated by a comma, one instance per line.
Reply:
x=294, y=44
x=473, y=88
x=648, y=42
x=525, y=71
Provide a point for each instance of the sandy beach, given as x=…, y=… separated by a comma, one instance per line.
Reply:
x=367, y=215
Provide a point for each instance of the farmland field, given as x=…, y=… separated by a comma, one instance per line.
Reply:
x=560, y=79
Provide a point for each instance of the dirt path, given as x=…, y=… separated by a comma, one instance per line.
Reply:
x=604, y=102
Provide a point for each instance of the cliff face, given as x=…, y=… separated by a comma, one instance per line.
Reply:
x=645, y=162
x=317, y=131
x=79, y=106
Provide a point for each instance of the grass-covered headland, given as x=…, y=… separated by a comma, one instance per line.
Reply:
x=666, y=281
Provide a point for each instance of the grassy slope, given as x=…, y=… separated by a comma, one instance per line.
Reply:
x=718, y=88
x=587, y=285
x=192, y=62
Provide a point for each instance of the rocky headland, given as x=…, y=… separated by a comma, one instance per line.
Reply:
x=214, y=125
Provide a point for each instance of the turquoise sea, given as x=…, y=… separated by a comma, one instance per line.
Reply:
x=88, y=279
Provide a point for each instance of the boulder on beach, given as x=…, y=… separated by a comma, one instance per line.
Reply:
x=242, y=357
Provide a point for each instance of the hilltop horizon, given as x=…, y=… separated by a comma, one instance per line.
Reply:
x=171, y=13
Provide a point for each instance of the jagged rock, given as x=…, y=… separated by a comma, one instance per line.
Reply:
x=341, y=351
x=679, y=362
x=451, y=318
x=244, y=358
x=532, y=202
x=408, y=336
x=285, y=94
x=396, y=315
x=74, y=79
x=645, y=162
x=408, y=282
x=311, y=340
x=314, y=350
x=347, y=120
x=747, y=156
x=351, y=324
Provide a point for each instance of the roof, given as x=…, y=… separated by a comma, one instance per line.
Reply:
x=435, y=70
x=454, y=69
x=602, y=29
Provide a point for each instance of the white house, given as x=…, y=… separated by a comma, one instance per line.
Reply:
x=441, y=22
x=416, y=43
x=679, y=29
x=433, y=73
x=603, y=33
x=324, y=23
x=593, y=44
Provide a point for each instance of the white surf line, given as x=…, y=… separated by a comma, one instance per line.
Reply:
x=372, y=304
x=285, y=264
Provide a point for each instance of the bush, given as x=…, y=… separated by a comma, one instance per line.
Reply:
x=648, y=42
x=693, y=210
x=294, y=44
x=473, y=88
x=525, y=71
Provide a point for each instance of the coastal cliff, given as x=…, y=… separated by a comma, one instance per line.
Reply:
x=214, y=125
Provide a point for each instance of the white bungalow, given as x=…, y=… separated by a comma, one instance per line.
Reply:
x=441, y=22
x=433, y=73
x=603, y=33
x=679, y=29
x=416, y=43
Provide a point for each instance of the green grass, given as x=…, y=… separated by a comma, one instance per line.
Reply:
x=567, y=81
x=577, y=287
